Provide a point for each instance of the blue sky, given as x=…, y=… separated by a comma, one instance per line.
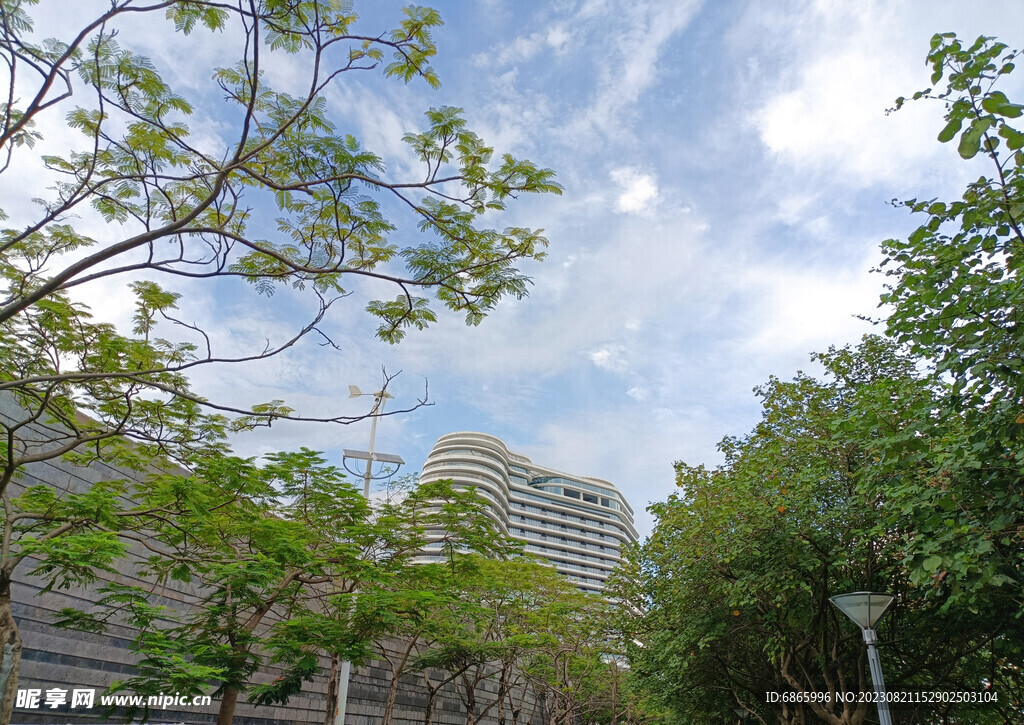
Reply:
x=727, y=169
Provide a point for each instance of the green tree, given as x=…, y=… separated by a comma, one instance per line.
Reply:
x=424, y=603
x=478, y=635
x=957, y=301
x=734, y=583
x=279, y=552
x=520, y=624
x=497, y=637
x=67, y=534
x=571, y=637
x=178, y=207
x=261, y=543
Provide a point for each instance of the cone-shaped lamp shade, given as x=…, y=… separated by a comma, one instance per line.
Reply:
x=864, y=608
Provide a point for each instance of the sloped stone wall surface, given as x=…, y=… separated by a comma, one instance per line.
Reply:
x=62, y=661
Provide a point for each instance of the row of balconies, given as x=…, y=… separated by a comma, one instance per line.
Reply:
x=441, y=471
x=549, y=551
x=611, y=492
x=586, y=545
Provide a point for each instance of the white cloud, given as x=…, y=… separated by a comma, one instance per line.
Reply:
x=610, y=357
x=638, y=393
x=520, y=49
x=639, y=191
x=791, y=207
x=822, y=93
x=628, y=270
x=382, y=119
x=617, y=67
x=800, y=310
x=509, y=120
x=525, y=47
x=629, y=61
x=842, y=127
x=558, y=38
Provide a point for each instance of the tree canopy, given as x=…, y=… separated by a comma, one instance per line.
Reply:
x=735, y=582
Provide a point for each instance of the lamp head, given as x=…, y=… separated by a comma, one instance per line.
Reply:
x=863, y=608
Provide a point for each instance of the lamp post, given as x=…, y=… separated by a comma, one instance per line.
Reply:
x=865, y=609
x=382, y=395
x=378, y=409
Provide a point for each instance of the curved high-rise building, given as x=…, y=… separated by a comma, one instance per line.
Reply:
x=577, y=523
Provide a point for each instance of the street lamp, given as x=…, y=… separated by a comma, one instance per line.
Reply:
x=382, y=395
x=865, y=609
x=369, y=456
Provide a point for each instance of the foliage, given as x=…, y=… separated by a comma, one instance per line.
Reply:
x=957, y=299
x=736, y=578
x=518, y=623
x=278, y=552
x=255, y=540
x=143, y=173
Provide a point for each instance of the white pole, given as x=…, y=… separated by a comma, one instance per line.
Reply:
x=344, y=672
x=342, y=700
x=875, y=665
x=378, y=407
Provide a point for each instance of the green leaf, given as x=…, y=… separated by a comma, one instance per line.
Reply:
x=951, y=129
x=970, y=141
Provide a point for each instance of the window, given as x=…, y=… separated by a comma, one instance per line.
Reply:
x=572, y=482
x=570, y=493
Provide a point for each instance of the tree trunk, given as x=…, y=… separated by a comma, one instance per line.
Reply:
x=615, y=692
x=332, y=692
x=470, y=700
x=500, y=699
x=501, y=702
x=227, y=705
x=428, y=712
x=397, y=668
x=512, y=704
x=389, y=704
x=10, y=654
x=434, y=690
x=538, y=704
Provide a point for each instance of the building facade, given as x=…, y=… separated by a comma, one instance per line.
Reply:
x=579, y=524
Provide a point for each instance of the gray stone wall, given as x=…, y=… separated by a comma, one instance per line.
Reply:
x=66, y=660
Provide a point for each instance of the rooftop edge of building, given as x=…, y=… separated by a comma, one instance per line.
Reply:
x=514, y=458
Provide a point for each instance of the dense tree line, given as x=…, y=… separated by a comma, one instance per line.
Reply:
x=295, y=570
x=898, y=470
